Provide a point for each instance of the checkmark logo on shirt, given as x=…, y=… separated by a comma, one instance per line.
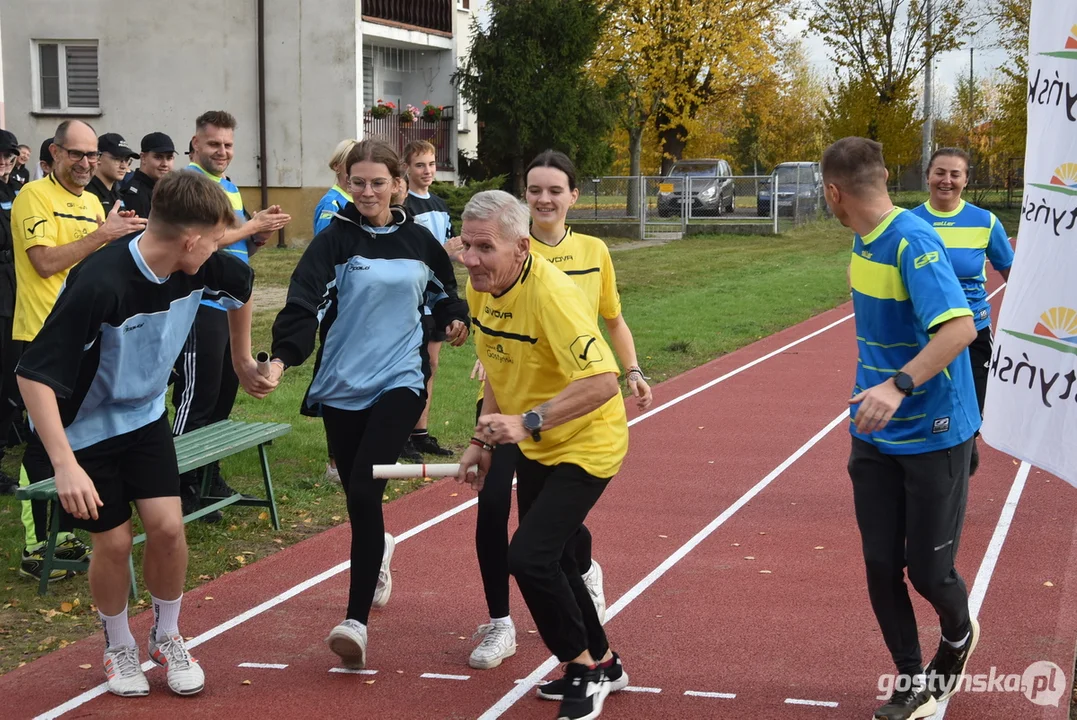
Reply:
x=585, y=350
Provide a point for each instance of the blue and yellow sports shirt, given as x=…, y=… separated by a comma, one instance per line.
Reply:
x=330, y=204
x=903, y=286
x=238, y=249
x=972, y=236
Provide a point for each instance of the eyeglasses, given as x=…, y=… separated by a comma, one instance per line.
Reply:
x=378, y=185
x=77, y=155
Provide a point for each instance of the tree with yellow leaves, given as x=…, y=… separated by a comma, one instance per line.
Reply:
x=669, y=60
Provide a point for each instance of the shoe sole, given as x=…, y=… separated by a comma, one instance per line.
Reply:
x=599, y=699
x=614, y=686
x=492, y=663
x=973, y=640
x=383, y=600
x=52, y=578
x=135, y=693
x=352, y=654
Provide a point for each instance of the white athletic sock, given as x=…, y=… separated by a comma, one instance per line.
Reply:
x=960, y=643
x=117, y=630
x=166, y=616
x=507, y=620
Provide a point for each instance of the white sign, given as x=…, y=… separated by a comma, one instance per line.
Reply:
x=1031, y=409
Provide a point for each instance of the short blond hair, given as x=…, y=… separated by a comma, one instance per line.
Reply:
x=341, y=154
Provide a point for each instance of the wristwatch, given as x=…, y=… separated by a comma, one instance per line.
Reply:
x=533, y=424
x=904, y=383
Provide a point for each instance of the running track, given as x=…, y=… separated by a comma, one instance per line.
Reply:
x=732, y=568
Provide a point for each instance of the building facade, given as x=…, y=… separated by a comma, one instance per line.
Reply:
x=135, y=68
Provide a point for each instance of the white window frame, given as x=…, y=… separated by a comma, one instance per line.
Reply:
x=61, y=57
x=463, y=8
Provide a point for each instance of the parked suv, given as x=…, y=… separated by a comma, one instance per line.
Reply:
x=710, y=187
x=800, y=190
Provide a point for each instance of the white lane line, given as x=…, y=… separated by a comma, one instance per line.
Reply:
x=705, y=694
x=633, y=688
x=440, y=676
x=512, y=696
x=353, y=671
x=994, y=549
x=263, y=666
x=812, y=703
x=243, y=617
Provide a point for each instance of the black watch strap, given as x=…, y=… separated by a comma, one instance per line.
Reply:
x=904, y=383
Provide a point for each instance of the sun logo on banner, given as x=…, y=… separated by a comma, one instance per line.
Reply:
x=1056, y=329
x=1070, y=52
x=1064, y=179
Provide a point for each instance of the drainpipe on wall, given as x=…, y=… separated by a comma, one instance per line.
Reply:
x=263, y=159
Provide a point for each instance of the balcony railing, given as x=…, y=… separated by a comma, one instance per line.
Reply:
x=433, y=15
x=399, y=133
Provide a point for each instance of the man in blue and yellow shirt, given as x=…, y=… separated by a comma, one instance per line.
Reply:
x=206, y=385
x=913, y=419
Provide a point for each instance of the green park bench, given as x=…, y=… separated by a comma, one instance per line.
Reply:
x=194, y=450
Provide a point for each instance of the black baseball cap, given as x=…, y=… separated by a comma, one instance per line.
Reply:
x=115, y=145
x=46, y=154
x=8, y=141
x=158, y=142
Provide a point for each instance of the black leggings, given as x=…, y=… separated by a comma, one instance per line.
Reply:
x=360, y=439
x=492, y=529
x=980, y=357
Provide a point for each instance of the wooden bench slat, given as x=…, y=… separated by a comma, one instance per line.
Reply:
x=195, y=449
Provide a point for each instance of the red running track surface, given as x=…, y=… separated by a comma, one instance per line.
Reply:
x=732, y=566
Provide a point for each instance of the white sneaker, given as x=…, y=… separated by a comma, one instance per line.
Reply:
x=498, y=643
x=124, y=672
x=331, y=473
x=348, y=640
x=593, y=580
x=185, y=676
x=385, y=576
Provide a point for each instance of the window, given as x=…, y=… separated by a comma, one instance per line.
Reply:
x=463, y=4
x=65, y=77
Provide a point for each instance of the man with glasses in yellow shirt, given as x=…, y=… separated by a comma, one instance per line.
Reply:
x=55, y=224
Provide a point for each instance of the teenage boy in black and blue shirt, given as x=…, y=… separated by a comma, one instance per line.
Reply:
x=94, y=381
x=431, y=212
x=912, y=423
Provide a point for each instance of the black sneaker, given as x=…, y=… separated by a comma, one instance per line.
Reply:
x=585, y=691
x=974, y=462
x=945, y=670
x=71, y=548
x=33, y=565
x=411, y=453
x=190, y=502
x=428, y=445
x=614, y=675
x=914, y=702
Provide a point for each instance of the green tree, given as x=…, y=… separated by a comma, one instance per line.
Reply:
x=525, y=78
x=855, y=108
x=1011, y=120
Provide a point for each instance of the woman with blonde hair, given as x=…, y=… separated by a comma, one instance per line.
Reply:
x=336, y=197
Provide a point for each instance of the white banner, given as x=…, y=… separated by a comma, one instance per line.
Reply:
x=1031, y=410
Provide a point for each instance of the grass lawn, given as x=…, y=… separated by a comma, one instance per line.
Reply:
x=687, y=302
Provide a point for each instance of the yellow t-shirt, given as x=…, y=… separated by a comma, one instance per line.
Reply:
x=587, y=261
x=534, y=340
x=45, y=213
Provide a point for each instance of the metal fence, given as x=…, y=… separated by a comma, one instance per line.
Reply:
x=665, y=206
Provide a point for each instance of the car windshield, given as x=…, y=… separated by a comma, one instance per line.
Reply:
x=695, y=170
x=788, y=175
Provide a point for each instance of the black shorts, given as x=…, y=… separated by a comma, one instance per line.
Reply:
x=430, y=332
x=137, y=465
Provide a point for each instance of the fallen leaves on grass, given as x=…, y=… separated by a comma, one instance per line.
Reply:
x=66, y=607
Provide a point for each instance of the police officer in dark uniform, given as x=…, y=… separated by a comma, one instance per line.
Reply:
x=112, y=166
x=9, y=356
x=156, y=160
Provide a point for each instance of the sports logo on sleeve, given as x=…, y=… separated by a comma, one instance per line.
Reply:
x=585, y=350
x=34, y=227
x=926, y=259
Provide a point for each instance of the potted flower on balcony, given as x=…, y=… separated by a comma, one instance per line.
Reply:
x=409, y=114
x=432, y=113
x=382, y=109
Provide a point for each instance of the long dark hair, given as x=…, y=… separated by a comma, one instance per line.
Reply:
x=557, y=160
